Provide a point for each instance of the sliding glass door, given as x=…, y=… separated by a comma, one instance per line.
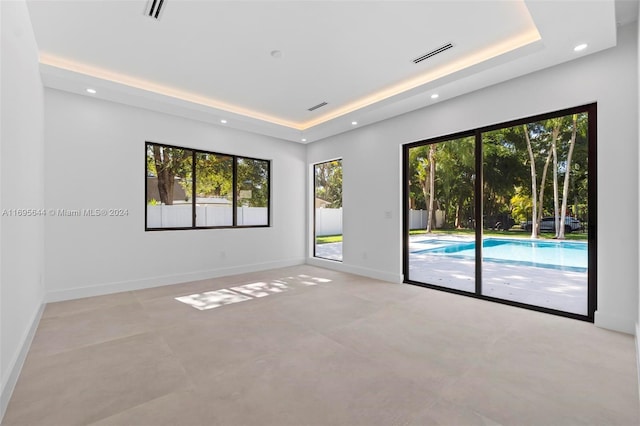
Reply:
x=503, y=213
x=441, y=188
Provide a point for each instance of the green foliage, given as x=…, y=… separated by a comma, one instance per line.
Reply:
x=506, y=182
x=454, y=178
x=213, y=178
x=253, y=182
x=328, y=182
x=521, y=206
x=168, y=164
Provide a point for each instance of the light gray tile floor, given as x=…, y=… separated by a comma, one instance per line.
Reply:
x=333, y=349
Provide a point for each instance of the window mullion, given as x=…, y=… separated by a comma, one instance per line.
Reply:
x=234, y=191
x=193, y=189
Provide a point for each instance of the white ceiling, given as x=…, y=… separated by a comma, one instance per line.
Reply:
x=213, y=61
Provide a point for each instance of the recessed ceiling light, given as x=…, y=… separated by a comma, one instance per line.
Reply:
x=580, y=47
x=354, y=123
x=92, y=91
x=223, y=121
x=303, y=140
x=435, y=96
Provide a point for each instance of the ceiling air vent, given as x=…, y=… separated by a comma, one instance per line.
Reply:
x=153, y=9
x=433, y=53
x=315, y=107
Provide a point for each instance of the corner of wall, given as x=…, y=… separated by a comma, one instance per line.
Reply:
x=157, y=281
x=614, y=322
x=17, y=363
x=356, y=270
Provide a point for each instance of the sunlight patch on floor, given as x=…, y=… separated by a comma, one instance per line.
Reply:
x=242, y=293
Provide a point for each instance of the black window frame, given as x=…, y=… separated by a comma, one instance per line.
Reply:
x=194, y=153
x=315, y=236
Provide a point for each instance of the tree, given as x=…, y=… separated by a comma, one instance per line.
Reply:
x=534, y=185
x=441, y=178
x=432, y=186
x=253, y=182
x=565, y=189
x=455, y=169
x=328, y=182
x=214, y=176
x=168, y=164
x=502, y=174
x=555, y=123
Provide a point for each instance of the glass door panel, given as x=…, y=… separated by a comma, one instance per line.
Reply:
x=535, y=205
x=442, y=214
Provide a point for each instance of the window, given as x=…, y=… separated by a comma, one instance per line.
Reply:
x=214, y=189
x=328, y=210
x=194, y=189
x=253, y=191
x=505, y=213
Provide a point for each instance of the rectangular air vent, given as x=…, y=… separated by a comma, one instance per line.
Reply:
x=320, y=105
x=154, y=7
x=433, y=53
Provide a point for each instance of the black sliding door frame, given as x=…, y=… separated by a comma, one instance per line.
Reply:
x=591, y=110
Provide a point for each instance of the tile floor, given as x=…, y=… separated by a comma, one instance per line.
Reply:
x=311, y=346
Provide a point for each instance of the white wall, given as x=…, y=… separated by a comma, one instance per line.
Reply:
x=21, y=187
x=372, y=166
x=638, y=262
x=95, y=152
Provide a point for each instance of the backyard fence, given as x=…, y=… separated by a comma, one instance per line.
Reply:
x=177, y=216
x=329, y=221
x=418, y=219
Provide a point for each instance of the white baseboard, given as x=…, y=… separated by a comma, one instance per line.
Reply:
x=16, y=365
x=117, y=287
x=356, y=270
x=614, y=322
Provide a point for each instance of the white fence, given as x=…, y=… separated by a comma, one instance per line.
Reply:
x=179, y=215
x=418, y=219
x=328, y=222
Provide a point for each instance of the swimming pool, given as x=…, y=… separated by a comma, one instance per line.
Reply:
x=561, y=255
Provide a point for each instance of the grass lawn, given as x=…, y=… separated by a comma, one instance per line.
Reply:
x=329, y=239
x=575, y=236
x=514, y=233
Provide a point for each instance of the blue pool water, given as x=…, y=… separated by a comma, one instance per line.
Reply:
x=562, y=255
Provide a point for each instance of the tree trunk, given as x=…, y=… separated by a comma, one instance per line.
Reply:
x=165, y=177
x=432, y=185
x=165, y=187
x=565, y=189
x=534, y=185
x=425, y=192
x=542, y=185
x=556, y=202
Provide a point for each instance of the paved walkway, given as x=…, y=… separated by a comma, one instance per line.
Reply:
x=332, y=251
x=562, y=290
x=550, y=288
